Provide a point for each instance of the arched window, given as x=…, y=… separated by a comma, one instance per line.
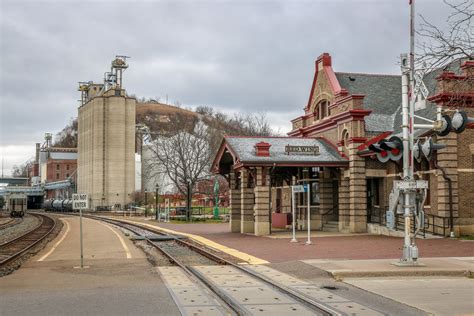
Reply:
x=321, y=110
x=345, y=141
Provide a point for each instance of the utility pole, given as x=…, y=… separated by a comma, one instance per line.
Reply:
x=146, y=204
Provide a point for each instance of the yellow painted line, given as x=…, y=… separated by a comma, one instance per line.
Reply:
x=233, y=252
x=125, y=247
x=59, y=241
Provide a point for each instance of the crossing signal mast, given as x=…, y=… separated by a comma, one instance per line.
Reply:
x=409, y=195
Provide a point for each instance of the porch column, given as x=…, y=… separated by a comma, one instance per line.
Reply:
x=344, y=205
x=247, y=200
x=235, y=202
x=357, y=191
x=448, y=160
x=262, y=207
x=325, y=200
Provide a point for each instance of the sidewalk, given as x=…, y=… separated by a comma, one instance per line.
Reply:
x=448, y=266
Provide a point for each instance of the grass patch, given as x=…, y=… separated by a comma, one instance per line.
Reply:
x=467, y=237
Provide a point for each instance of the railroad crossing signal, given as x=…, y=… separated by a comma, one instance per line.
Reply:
x=385, y=150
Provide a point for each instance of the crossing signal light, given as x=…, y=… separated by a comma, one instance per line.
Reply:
x=460, y=121
x=381, y=154
x=429, y=148
x=417, y=151
x=385, y=150
x=446, y=126
x=394, y=147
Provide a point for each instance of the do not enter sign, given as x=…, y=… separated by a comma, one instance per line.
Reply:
x=80, y=201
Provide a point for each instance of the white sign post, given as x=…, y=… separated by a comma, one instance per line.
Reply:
x=308, y=190
x=80, y=202
x=294, y=189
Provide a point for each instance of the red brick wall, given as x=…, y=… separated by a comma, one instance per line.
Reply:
x=58, y=170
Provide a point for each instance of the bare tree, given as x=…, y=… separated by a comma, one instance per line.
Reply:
x=185, y=157
x=20, y=171
x=440, y=47
x=67, y=137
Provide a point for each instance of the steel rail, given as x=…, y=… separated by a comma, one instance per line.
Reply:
x=304, y=300
x=131, y=227
x=30, y=238
x=11, y=222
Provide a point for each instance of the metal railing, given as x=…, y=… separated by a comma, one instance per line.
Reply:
x=434, y=224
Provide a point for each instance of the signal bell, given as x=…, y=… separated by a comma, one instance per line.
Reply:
x=460, y=121
x=429, y=147
x=446, y=126
x=417, y=151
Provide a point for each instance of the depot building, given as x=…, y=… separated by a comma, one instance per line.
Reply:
x=327, y=150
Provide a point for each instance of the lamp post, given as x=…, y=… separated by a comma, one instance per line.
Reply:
x=216, y=198
x=146, y=204
x=156, y=202
x=188, y=202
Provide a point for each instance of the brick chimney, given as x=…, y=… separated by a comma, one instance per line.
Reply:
x=262, y=149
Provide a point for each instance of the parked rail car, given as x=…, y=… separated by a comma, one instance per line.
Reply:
x=57, y=205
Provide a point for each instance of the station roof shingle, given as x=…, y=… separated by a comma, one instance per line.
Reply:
x=244, y=149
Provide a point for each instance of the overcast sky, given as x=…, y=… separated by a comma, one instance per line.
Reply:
x=232, y=55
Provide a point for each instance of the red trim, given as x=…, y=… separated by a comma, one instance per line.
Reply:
x=467, y=64
x=290, y=164
x=350, y=115
x=225, y=137
x=326, y=61
x=448, y=75
x=327, y=141
x=357, y=140
x=374, y=140
x=452, y=97
x=224, y=145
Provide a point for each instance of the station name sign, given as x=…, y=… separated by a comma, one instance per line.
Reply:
x=301, y=150
x=80, y=201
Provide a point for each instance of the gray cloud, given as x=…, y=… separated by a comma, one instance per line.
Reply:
x=249, y=56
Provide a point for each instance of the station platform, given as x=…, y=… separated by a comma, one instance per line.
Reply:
x=116, y=273
x=334, y=246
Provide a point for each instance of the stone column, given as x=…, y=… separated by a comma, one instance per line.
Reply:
x=357, y=191
x=325, y=198
x=235, y=202
x=344, y=205
x=262, y=207
x=448, y=160
x=247, y=200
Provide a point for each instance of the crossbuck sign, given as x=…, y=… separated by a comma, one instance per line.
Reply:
x=80, y=201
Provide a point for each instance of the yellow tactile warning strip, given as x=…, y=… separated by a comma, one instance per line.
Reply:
x=209, y=243
x=58, y=242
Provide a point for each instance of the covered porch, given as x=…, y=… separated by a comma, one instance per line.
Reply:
x=261, y=171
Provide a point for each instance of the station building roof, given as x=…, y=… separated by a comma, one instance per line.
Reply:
x=241, y=151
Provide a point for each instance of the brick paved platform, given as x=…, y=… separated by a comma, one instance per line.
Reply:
x=339, y=247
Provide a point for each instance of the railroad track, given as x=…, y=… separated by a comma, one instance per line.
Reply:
x=11, y=222
x=16, y=248
x=192, y=259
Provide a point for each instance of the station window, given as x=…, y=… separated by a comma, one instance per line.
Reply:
x=67, y=167
x=57, y=176
x=67, y=175
x=57, y=167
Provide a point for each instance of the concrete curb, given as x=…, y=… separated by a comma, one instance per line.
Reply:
x=338, y=275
